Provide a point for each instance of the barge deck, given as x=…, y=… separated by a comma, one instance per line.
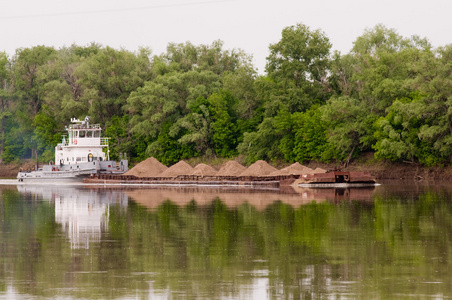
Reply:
x=331, y=178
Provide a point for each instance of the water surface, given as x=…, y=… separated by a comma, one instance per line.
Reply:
x=96, y=242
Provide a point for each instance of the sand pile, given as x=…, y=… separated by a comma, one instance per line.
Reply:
x=150, y=167
x=319, y=170
x=293, y=169
x=231, y=168
x=181, y=168
x=203, y=170
x=259, y=168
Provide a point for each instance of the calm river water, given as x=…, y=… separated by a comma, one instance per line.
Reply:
x=389, y=242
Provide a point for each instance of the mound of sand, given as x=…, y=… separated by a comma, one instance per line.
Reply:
x=231, y=168
x=259, y=168
x=181, y=168
x=203, y=170
x=319, y=170
x=150, y=167
x=293, y=169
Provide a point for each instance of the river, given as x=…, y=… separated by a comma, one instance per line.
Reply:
x=108, y=242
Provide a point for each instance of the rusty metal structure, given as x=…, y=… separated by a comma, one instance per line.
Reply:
x=262, y=181
x=338, y=177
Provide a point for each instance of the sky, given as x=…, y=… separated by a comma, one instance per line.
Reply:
x=249, y=25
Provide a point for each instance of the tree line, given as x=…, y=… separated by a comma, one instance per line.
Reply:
x=390, y=95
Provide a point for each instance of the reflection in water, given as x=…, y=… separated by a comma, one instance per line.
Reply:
x=83, y=213
x=152, y=198
x=216, y=243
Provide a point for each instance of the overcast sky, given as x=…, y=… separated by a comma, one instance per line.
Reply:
x=250, y=25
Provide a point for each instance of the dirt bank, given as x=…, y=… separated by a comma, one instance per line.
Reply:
x=11, y=170
x=383, y=170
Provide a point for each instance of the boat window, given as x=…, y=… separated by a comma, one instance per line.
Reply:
x=83, y=158
x=82, y=133
x=79, y=159
x=96, y=134
x=89, y=134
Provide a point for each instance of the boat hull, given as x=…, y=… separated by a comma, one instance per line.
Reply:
x=75, y=172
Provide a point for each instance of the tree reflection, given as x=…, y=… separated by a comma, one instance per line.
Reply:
x=212, y=248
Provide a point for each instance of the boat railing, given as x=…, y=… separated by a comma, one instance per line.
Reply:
x=65, y=142
x=83, y=126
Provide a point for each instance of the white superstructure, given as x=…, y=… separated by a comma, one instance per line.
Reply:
x=82, y=143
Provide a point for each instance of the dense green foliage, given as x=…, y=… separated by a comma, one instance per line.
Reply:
x=390, y=95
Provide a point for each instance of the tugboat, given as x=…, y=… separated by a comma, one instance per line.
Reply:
x=79, y=155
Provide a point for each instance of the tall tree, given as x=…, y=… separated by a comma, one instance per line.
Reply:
x=5, y=97
x=422, y=124
x=397, y=133
x=165, y=110
x=211, y=125
x=248, y=107
x=187, y=57
x=28, y=89
x=108, y=77
x=297, y=78
x=26, y=64
x=262, y=143
x=376, y=73
x=61, y=96
x=383, y=63
x=437, y=128
x=62, y=91
x=163, y=101
x=310, y=136
x=350, y=127
x=299, y=63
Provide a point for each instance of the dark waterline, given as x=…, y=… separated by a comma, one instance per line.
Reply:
x=388, y=242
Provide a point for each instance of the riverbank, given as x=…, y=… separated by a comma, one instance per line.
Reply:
x=380, y=169
x=11, y=170
x=387, y=170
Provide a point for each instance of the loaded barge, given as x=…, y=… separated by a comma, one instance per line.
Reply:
x=331, y=178
x=239, y=181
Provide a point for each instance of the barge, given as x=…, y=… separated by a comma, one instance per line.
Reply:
x=195, y=180
x=329, y=179
x=336, y=178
